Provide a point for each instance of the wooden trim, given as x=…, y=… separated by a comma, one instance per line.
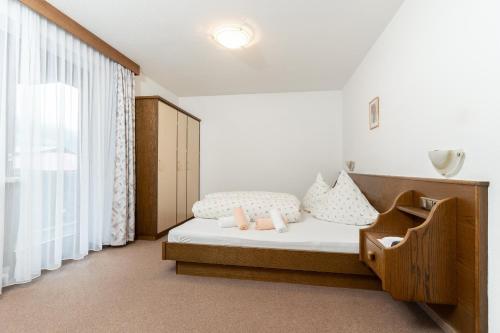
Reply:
x=433, y=180
x=178, y=108
x=345, y=263
x=481, y=240
x=65, y=22
x=279, y=275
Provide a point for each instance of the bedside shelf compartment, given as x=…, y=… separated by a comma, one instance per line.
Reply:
x=415, y=211
x=422, y=267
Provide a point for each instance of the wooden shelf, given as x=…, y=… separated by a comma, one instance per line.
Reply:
x=419, y=212
x=422, y=267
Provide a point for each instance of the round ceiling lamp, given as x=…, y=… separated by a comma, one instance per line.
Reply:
x=233, y=36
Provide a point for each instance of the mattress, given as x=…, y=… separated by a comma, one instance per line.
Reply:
x=309, y=234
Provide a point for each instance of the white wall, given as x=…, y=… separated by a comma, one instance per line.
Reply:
x=145, y=86
x=436, y=69
x=275, y=142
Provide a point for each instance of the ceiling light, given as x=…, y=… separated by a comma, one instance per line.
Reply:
x=233, y=36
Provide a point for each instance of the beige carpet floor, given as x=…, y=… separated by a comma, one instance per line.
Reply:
x=130, y=289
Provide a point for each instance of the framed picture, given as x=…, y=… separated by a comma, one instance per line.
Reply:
x=373, y=113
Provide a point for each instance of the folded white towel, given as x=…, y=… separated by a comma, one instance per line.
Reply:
x=277, y=219
x=387, y=241
x=227, y=222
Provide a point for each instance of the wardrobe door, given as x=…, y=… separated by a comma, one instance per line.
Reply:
x=193, y=165
x=182, y=129
x=167, y=176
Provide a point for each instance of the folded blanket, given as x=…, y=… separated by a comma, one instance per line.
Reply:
x=277, y=220
x=266, y=223
x=240, y=218
x=227, y=222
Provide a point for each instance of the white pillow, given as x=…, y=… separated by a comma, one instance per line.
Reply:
x=345, y=204
x=316, y=194
x=256, y=205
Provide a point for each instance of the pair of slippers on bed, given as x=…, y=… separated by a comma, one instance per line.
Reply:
x=241, y=220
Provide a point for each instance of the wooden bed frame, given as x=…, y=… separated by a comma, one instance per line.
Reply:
x=346, y=270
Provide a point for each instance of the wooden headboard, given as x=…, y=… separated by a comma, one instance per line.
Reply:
x=471, y=312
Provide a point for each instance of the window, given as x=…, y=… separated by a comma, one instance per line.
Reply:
x=44, y=154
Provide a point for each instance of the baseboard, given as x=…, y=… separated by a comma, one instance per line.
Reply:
x=447, y=328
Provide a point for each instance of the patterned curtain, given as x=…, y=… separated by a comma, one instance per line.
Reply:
x=123, y=215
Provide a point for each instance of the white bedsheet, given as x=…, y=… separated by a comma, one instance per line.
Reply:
x=309, y=234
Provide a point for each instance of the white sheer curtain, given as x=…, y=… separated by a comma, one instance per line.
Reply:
x=58, y=101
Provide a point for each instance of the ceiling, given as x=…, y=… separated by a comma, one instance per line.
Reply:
x=300, y=45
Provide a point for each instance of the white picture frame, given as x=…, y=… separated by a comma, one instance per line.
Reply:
x=373, y=113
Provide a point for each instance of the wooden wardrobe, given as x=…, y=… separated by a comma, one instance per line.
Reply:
x=167, y=145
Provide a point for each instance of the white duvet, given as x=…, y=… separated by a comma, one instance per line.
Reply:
x=256, y=205
x=310, y=234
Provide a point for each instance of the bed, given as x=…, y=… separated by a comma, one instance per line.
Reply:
x=332, y=263
x=308, y=253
